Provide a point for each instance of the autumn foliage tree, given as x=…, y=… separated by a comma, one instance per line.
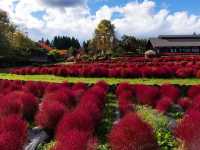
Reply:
x=104, y=38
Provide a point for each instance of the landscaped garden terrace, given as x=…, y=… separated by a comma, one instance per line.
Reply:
x=98, y=116
x=136, y=67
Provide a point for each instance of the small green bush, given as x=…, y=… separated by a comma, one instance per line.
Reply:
x=47, y=146
x=159, y=123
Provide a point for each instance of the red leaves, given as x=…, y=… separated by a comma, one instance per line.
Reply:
x=185, y=102
x=64, y=96
x=124, y=87
x=188, y=130
x=193, y=91
x=78, y=126
x=164, y=104
x=50, y=114
x=77, y=140
x=171, y=91
x=9, y=105
x=19, y=102
x=130, y=67
x=147, y=95
x=132, y=133
x=13, y=133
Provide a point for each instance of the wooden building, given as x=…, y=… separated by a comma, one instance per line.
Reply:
x=175, y=44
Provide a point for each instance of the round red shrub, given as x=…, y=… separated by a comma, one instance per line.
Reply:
x=27, y=102
x=195, y=104
x=124, y=87
x=127, y=95
x=76, y=140
x=91, y=108
x=78, y=94
x=36, y=88
x=79, y=86
x=131, y=133
x=193, y=91
x=9, y=141
x=91, y=95
x=171, y=91
x=50, y=114
x=188, y=130
x=185, y=102
x=79, y=120
x=65, y=97
x=125, y=106
x=10, y=105
x=147, y=95
x=16, y=125
x=52, y=87
x=164, y=104
x=103, y=85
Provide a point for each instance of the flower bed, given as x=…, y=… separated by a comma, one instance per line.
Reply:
x=166, y=67
x=84, y=117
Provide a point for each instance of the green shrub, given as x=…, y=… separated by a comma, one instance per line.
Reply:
x=153, y=117
x=103, y=147
x=159, y=123
x=47, y=146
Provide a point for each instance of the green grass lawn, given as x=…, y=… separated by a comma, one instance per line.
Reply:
x=111, y=81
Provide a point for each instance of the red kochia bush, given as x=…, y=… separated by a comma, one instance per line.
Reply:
x=126, y=102
x=193, y=91
x=131, y=133
x=13, y=133
x=124, y=87
x=77, y=140
x=103, y=85
x=26, y=103
x=52, y=87
x=36, y=88
x=195, y=104
x=125, y=107
x=91, y=95
x=50, y=114
x=188, y=130
x=164, y=104
x=9, y=106
x=79, y=120
x=185, y=102
x=29, y=103
x=79, y=86
x=100, y=91
x=147, y=95
x=171, y=91
x=65, y=97
x=8, y=141
x=91, y=108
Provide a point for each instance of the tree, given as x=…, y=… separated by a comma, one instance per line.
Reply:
x=47, y=42
x=104, y=38
x=132, y=44
x=6, y=29
x=129, y=43
x=72, y=51
x=65, y=42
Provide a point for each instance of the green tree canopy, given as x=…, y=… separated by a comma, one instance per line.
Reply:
x=65, y=42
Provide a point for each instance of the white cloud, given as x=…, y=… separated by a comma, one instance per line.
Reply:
x=139, y=19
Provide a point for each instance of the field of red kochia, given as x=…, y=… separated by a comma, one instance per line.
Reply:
x=73, y=113
x=164, y=67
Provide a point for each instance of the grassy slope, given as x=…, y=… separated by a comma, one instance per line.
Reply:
x=58, y=79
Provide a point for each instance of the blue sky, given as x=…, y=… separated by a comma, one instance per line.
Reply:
x=141, y=18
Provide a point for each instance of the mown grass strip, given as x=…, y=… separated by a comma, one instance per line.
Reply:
x=111, y=81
